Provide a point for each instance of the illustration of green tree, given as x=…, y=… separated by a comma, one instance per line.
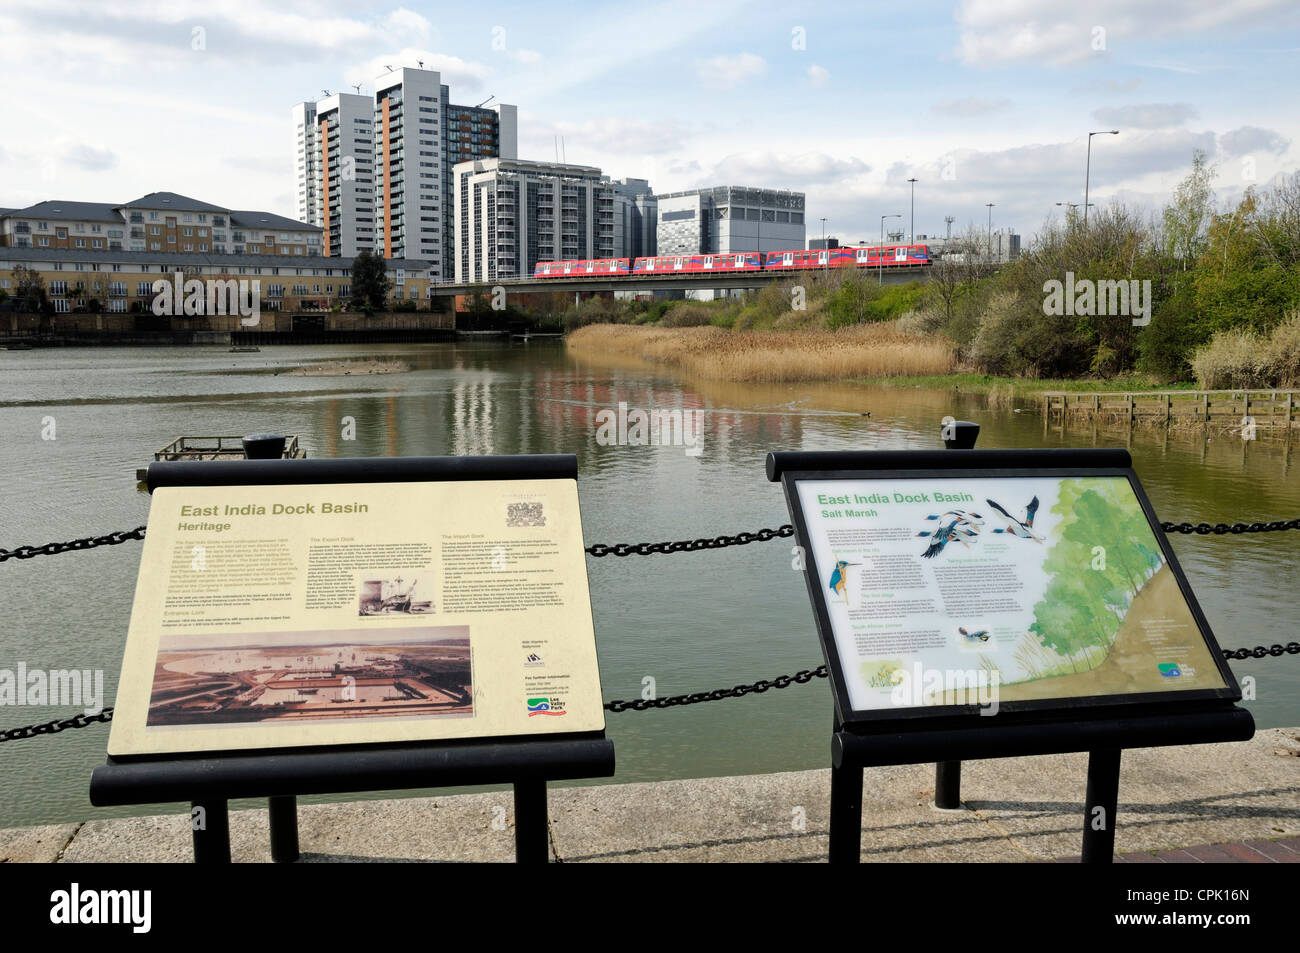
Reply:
x=1090, y=588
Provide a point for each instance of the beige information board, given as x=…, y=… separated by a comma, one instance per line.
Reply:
x=284, y=616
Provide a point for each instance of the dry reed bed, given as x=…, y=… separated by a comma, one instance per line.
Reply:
x=872, y=350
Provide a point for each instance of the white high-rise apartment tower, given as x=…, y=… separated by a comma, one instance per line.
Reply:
x=334, y=154
x=376, y=173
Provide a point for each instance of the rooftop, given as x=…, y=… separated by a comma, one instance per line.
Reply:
x=172, y=201
x=58, y=210
x=182, y=261
x=251, y=219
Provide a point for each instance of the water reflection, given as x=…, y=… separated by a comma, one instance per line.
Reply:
x=691, y=621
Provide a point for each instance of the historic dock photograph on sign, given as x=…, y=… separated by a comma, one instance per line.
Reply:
x=402, y=593
x=228, y=678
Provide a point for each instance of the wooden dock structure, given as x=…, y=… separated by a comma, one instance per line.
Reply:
x=1269, y=410
x=215, y=448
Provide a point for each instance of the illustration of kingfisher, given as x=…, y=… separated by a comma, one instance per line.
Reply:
x=955, y=525
x=982, y=634
x=1017, y=528
x=840, y=579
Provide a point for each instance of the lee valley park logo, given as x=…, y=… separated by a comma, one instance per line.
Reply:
x=194, y=298
x=1088, y=298
x=545, y=706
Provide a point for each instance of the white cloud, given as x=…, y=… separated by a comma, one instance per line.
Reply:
x=1246, y=139
x=971, y=106
x=1146, y=115
x=785, y=170
x=90, y=158
x=527, y=57
x=1064, y=32
x=818, y=75
x=456, y=72
x=732, y=70
x=403, y=24
x=615, y=136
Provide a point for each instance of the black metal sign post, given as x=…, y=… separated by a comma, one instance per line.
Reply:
x=1102, y=724
x=210, y=780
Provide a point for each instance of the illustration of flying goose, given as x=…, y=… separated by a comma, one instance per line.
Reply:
x=1018, y=528
x=955, y=525
x=982, y=634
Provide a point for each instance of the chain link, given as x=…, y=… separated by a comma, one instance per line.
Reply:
x=1262, y=651
x=802, y=677
x=87, y=542
x=80, y=720
x=647, y=549
x=688, y=545
x=1222, y=529
x=675, y=701
x=640, y=549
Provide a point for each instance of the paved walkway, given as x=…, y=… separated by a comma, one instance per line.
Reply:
x=1200, y=803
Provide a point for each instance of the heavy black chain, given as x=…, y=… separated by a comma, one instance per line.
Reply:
x=688, y=545
x=648, y=549
x=88, y=542
x=762, y=685
x=1222, y=529
x=1261, y=651
x=639, y=704
x=80, y=720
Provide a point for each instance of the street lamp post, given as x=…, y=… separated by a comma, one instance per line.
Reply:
x=912, y=239
x=1070, y=207
x=990, y=208
x=880, y=250
x=1087, y=173
x=825, y=251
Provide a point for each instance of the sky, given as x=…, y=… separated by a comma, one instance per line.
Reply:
x=980, y=101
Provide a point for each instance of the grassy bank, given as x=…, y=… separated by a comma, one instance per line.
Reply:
x=973, y=383
x=870, y=350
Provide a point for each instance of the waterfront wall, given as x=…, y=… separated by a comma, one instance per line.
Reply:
x=272, y=327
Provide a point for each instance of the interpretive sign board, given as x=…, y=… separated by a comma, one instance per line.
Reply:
x=311, y=614
x=995, y=582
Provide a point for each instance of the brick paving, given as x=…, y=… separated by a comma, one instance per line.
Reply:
x=1284, y=850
